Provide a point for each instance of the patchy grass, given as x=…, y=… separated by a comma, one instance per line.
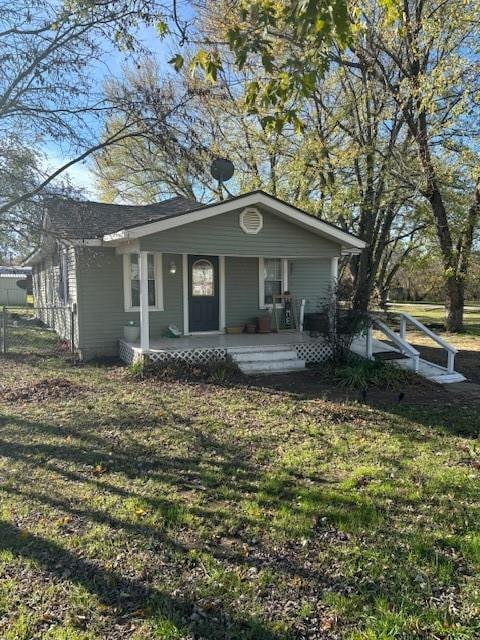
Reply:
x=173, y=510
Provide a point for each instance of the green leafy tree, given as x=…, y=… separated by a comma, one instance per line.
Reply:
x=423, y=57
x=181, y=126
x=433, y=49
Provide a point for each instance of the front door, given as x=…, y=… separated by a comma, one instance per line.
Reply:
x=203, y=293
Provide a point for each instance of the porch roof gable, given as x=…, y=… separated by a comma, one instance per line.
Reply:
x=349, y=242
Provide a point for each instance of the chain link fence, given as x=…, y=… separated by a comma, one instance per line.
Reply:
x=37, y=330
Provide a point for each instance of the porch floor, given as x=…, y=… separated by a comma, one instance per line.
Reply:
x=226, y=341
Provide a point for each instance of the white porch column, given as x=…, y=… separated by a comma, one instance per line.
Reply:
x=334, y=275
x=144, y=319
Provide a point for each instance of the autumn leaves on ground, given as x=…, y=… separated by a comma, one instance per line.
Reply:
x=174, y=510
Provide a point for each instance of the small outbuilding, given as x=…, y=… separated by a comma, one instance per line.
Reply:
x=15, y=285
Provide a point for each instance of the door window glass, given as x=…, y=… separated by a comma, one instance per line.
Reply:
x=202, y=278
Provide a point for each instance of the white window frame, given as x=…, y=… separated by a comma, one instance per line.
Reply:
x=64, y=275
x=261, y=281
x=127, y=285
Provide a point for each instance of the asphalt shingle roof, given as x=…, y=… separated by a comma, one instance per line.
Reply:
x=79, y=220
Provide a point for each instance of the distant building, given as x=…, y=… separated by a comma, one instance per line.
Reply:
x=15, y=285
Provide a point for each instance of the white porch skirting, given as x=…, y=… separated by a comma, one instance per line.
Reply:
x=212, y=348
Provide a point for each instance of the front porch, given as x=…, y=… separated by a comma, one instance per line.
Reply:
x=215, y=347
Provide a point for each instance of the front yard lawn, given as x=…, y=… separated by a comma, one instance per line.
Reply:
x=174, y=510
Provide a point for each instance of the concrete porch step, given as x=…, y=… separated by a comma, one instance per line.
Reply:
x=267, y=355
x=275, y=366
x=265, y=348
x=266, y=359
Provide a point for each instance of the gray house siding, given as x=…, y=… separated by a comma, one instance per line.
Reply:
x=96, y=278
x=308, y=279
x=223, y=235
x=241, y=290
x=102, y=314
x=51, y=308
x=311, y=280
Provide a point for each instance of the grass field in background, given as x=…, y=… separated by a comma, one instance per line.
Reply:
x=173, y=510
x=436, y=313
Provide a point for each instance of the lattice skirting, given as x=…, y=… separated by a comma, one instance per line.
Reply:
x=126, y=352
x=311, y=352
x=191, y=356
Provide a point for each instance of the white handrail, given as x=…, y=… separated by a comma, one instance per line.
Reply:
x=428, y=332
x=450, y=349
x=403, y=345
x=399, y=341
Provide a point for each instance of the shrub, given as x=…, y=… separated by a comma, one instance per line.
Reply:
x=342, y=326
x=136, y=369
x=361, y=373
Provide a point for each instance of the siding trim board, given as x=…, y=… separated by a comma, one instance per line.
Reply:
x=224, y=236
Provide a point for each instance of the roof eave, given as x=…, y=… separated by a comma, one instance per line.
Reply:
x=348, y=241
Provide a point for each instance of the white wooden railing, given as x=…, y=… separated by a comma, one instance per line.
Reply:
x=402, y=345
x=406, y=318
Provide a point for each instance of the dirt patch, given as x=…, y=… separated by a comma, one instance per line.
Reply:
x=314, y=384
x=46, y=389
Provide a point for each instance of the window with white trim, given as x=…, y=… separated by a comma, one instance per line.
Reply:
x=63, y=278
x=131, y=281
x=273, y=278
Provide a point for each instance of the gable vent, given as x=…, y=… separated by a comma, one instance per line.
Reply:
x=251, y=220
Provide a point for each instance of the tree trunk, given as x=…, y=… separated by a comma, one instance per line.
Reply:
x=454, y=285
x=383, y=297
x=454, y=304
x=363, y=281
x=363, y=287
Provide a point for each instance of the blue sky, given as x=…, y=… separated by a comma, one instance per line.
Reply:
x=58, y=154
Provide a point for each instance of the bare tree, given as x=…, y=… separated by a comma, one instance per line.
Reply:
x=47, y=50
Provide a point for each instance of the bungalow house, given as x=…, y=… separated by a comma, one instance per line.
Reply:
x=182, y=267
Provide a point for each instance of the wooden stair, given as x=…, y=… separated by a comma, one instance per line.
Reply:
x=403, y=354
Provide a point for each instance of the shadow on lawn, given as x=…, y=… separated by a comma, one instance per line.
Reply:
x=125, y=594
x=72, y=454
x=113, y=589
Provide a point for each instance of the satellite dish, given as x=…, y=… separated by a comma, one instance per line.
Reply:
x=222, y=169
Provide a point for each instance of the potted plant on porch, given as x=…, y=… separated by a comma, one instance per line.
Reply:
x=131, y=331
x=264, y=323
